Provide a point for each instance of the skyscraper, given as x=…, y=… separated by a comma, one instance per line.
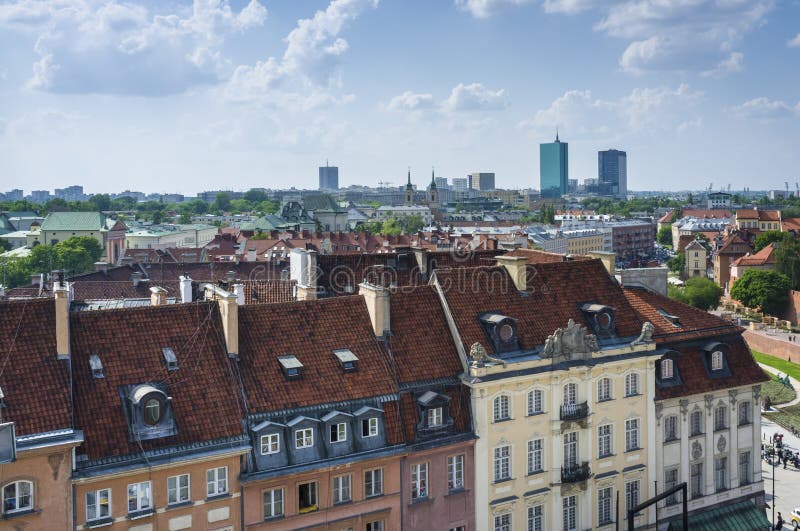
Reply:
x=328, y=177
x=481, y=181
x=554, y=168
x=612, y=172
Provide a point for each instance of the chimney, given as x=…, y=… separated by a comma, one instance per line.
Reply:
x=37, y=279
x=251, y=255
x=609, y=260
x=229, y=311
x=517, y=267
x=186, y=288
x=101, y=266
x=136, y=277
x=377, y=299
x=61, y=296
x=303, y=270
x=158, y=296
x=238, y=290
x=421, y=256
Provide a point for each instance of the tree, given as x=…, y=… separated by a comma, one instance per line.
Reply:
x=762, y=288
x=391, y=227
x=677, y=263
x=787, y=260
x=373, y=227
x=255, y=196
x=699, y=292
x=5, y=245
x=185, y=219
x=268, y=206
x=100, y=202
x=412, y=224
x=689, y=199
x=222, y=202
x=240, y=205
x=14, y=272
x=665, y=235
x=767, y=237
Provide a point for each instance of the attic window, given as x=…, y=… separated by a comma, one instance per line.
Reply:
x=170, y=359
x=674, y=319
x=601, y=319
x=347, y=359
x=97, y=366
x=291, y=366
x=502, y=331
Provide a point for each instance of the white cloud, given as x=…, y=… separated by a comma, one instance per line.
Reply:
x=43, y=122
x=485, y=8
x=475, y=97
x=410, y=101
x=794, y=43
x=734, y=63
x=578, y=114
x=113, y=47
x=309, y=62
x=568, y=6
x=766, y=110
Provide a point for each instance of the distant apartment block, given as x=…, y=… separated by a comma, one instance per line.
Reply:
x=328, y=177
x=441, y=183
x=40, y=196
x=71, y=193
x=460, y=184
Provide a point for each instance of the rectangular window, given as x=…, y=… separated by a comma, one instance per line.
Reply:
x=721, y=473
x=536, y=518
x=270, y=444
x=338, y=432
x=307, y=497
x=631, y=434
x=177, y=489
x=570, y=513
x=571, y=449
x=697, y=423
x=98, y=504
x=341, y=489
x=273, y=503
x=604, y=440
x=535, y=454
x=419, y=481
x=434, y=417
x=670, y=428
x=140, y=497
x=375, y=526
x=304, y=438
x=631, y=494
x=369, y=427
x=744, y=413
x=721, y=418
x=535, y=402
x=455, y=472
x=502, y=522
x=744, y=468
x=671, y=480
x=217, y=481
x=604, y=389
x=604, y=506
x=373, y=482
x=632, y=384
x=697, y=480
x=502, y=463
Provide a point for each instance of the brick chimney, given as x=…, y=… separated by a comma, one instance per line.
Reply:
x=377, y=299
x=517, y=267
x=609, y=260
x=61, y=296
x=186, y=288
x=229, y=311
x=158, y=296
x=303, y=270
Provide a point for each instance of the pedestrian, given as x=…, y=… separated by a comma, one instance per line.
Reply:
x=779, y=522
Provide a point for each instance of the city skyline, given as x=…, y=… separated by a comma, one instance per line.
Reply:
x=176, y=98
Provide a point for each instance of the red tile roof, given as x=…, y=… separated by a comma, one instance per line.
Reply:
x=534, y=256
x=791, y=224
x=761, y=215
x=765, y=256
x=34, y=381
x=205, y=394
x=706, y=213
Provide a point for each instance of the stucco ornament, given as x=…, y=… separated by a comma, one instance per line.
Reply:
x=646, y=336
x=697, y=450
x=721, y=444
x=573, y=339
x=479, y=356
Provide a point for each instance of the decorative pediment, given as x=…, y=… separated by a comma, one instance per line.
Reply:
x=574, y=339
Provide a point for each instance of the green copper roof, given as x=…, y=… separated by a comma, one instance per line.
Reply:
x=73, y=221
x=742, y=516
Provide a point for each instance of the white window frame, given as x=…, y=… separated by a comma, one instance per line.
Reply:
x=670, y=428
x=501, y=406
x=373, y=487
x=17, y=485
x=341, y=432
x=276, y=497
x=216, y=481
x=342, y=489
x=502, y=463
x=717, y=358
x=435, y=417
x=455, y=472
x=535, y=456
x=696, y=415
x=273, y=443
x=667, y=369
x=502, y=522
x=604, y=389
x=177, y=488
x=632, y=384
x=569, y=394
x=303, y=438
x=419, y=481
x=604, y=496
x=744, y=413
x=372, y=427
x=144, y=489
x=97, y=505
x=377, y=525
x=570, y=513
x=632, y=493
x=605, y=440
x=535, y=402
x=632, y=435
x=720, y=418
x=536, y=518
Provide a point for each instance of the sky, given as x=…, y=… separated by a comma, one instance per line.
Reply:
x=178, y=97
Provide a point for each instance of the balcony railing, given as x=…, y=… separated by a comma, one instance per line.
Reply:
x=575, y=411
x=576, y=472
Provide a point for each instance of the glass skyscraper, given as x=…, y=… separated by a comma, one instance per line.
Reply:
x=554, y=168
x=328, y=177
x=612, y=173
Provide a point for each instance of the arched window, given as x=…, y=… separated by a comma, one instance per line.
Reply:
x=603, y=389
x=501, y=409
x=17, y=497
x=535, y=402
x=716, y=360
x=631, y=384
x=667, y=369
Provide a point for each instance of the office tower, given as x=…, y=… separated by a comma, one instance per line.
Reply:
x=441, y=183
x=481, y=181
x=554, y=168
x=328, y=177
x=460, y=184
x=612, y=172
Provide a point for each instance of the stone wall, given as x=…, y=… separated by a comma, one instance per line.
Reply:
x=772, y=346
x=792, y=312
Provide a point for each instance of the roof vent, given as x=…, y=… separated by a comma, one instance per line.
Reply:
x=674, y=319
x=347, y=359
x=170, y=359
x=97, y=366
x=291, y=366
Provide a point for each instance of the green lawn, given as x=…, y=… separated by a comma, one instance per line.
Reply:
x=785, y=367
x=776, y=391
x=788, y=417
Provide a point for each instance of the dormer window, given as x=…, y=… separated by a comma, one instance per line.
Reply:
x=338, y=432
x=96, y=364
x=347, y=359
x=667, y=369
x=601, y=319
x=304, y=438
x=291, y=367
x=501, y=331
x=674, y=319
x=153, y=411
x=717, y=358
x=434, y=417
x=369, y=427
x=149, y=412
x=170, y=359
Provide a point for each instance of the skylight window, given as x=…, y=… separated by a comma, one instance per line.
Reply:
x=674, y=319
x=291, y=366
x=347, y=359
x=97, y=366
x=170, y=359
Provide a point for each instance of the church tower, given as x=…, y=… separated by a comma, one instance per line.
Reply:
x=433, y=193
x=409, y=190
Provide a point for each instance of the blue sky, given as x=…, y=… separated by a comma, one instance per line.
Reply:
x=174, y=96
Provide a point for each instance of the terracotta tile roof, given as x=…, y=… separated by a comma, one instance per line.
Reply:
x=205, y=395
x=421, y=341
x=765, y=256
x=34, y=381
x=458, y=409
x=760, y=215
x=791, y=224
x=311, y=331
x=694, y=375
x=706, y=213
x=732, y=244
x=268, y=291
x=109, y=289
x=534, y=256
